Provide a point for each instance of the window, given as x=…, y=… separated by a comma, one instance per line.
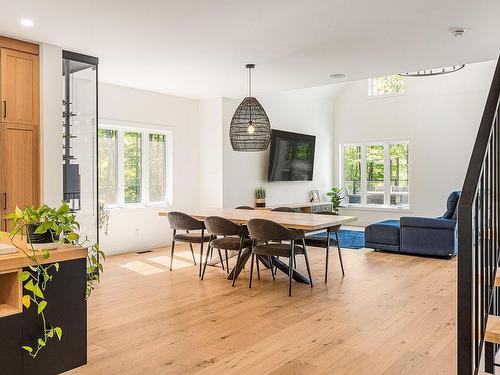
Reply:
x=387, y=85
x=157, y=167
x=133, y=166
x=108, y=166
x=132, y=170
x=376, y=174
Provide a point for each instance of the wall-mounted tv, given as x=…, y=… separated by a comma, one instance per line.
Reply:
x=291, y=157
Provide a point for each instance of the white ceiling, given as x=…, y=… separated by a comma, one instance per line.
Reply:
x=199, y=48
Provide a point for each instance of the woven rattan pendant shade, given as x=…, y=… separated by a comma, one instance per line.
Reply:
x=250, y=129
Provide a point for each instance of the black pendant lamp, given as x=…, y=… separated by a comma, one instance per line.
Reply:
x=250, y=129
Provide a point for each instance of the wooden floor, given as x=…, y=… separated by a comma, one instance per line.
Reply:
x=390, y=314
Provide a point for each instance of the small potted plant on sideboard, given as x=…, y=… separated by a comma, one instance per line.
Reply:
x=336, y=196
x=260, y=197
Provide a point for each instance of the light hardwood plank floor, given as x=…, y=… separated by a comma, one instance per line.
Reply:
x=390, y=314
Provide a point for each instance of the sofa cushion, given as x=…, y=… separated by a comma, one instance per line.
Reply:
x=383, y=233
x=451, y=205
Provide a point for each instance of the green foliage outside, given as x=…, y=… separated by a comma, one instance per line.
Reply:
x=107, y=165
x=388, y=85
x=132, y=166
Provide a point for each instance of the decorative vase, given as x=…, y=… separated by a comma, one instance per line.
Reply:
x=260, y=202
x=48, y=237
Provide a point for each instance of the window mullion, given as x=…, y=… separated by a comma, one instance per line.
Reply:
x=387, y=175
x=363, y=175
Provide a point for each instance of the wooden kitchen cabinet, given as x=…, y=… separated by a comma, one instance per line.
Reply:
x=19, y=126
x=20, y=88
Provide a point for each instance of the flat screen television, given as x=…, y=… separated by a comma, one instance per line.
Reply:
x=291, y=157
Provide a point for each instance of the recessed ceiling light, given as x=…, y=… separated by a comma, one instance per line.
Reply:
x=457, y=31
x=337, y=75
x=27, y=22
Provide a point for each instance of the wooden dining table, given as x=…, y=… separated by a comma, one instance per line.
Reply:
x=292, y=220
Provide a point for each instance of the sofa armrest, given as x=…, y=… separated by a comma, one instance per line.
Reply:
x=425, y=222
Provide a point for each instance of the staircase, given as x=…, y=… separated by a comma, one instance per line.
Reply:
x=478, y=318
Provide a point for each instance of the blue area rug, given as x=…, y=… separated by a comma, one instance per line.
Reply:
x=350, y=239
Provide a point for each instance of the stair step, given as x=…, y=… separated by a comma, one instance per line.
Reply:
x=493, y=329
x=497, y=277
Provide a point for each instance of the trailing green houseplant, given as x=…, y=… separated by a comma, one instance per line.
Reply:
x=336, y=196
x=42, y=228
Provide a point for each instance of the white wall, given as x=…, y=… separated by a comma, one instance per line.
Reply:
x=300, y=111
x=211, y=136
x=141, y=228
x=51, y=124
x=438, y=115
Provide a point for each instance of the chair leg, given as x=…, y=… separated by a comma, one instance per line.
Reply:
x=221, y=260
x=340, y=253
x=206, y=261
x=251, y=271
x=290, y=268
x=271, y=266
x=257, y=264
x=227, y=262
x=172, y=255
x=327, y=255
x=192, y=253
x=307, y=262
x=201, y=251
x=237, y=262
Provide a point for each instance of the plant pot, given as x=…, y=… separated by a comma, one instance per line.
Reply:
x=260, y=202
x=40, y=238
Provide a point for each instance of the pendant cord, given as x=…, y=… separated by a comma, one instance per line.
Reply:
x=249, y=82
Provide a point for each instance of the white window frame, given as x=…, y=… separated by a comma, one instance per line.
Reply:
x=387, y=174
x=120, y=185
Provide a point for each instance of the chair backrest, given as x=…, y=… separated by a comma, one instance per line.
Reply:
x=283, y=209
x=451, y=206
x=244, y=208
x=267, y=230
x=182, y=221
x=220, y=226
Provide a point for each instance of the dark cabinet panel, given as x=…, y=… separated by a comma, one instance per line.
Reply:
x=66, y=308
x=10, y=345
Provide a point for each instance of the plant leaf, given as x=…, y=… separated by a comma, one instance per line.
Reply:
x=41, y=306
x=26, y=301
x=29, y=349
x=58, y=331
x=41, y=342
x=19, y=213
x=29, y=285
x=37, y=291
x=56, y=265
x=50, y=333
x=23, y=276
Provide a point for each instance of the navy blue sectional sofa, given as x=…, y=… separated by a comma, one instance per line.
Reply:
x=417, y=235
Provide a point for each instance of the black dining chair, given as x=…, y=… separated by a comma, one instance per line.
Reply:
x=326, y=242
x=267, y=230
x=244, y=208
x=234, y=238
x=182, y=221
x=283, y=209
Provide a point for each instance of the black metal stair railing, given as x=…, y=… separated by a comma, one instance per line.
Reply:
x=478, y=243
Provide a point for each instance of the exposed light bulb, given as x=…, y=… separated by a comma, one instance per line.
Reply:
x=250, y=128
